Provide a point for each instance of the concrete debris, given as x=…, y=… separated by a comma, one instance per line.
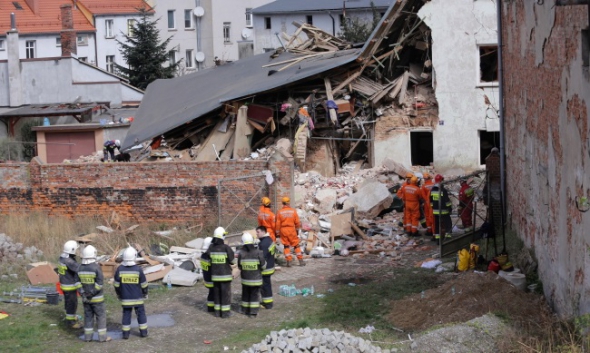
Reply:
x=370, y=200
x=12, y=252
x=313, y=340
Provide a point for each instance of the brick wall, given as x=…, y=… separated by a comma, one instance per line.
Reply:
x=547, y=91
x=173, y=191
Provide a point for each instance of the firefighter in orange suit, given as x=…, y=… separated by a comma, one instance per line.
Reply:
x=288, y=225
x=266, y=218
x=412, y=196
x=428, y=184
x=400, y=194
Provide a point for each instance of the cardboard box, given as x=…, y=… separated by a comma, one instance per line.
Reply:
x=42, y=273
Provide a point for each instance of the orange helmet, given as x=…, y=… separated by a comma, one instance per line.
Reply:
x=438, y=178
x=265, y=201
x=427, y=176
x=409, y=175
x=286, y=199
x=414, y=180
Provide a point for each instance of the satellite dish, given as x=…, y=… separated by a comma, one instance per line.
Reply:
x=200, y=56
x=199, y=11
x=246, y=33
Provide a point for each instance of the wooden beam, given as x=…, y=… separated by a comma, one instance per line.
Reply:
x=332, y=111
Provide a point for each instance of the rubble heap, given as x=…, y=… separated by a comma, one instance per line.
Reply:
x=316, y=340
x=11, y=251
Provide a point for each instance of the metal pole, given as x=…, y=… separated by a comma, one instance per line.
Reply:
x=501, y=107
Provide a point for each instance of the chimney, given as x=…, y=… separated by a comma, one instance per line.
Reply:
x=67, y=34
x=34, y=5
x=14, y=75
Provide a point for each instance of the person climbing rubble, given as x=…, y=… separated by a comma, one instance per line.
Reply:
x=67, y=268
x=109, y=148
x=288, y=225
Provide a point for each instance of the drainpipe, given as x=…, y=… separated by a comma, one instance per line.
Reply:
x=333, y=23
x=501, y=109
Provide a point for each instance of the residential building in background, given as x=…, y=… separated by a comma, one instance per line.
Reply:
x=275, y=18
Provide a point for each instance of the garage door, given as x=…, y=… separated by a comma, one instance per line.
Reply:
x=82, y=144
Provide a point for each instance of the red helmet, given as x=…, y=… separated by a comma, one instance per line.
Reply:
x=438, y=178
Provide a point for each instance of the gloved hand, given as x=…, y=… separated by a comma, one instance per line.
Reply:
x=89, y=295
x=85, y=299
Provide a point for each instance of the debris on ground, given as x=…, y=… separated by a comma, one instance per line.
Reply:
x=11, y=252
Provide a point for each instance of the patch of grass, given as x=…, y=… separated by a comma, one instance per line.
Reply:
x=242, y=339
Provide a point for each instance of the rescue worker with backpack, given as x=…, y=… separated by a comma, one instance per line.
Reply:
x=441, y=209
x=131, y=287
x=251, y=264
x=268, y=248
x=222, y=257
x=92, y=295
x=109, y=149
x=288, y=225
x=206, y=269
x=466, y=205
x=67, y=268
x=266, y=218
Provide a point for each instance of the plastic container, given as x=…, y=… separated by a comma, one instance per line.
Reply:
x=52, y=298
x=517, y=279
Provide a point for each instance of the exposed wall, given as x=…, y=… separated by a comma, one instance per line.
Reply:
x=547, y=90
x=457, y=32
x=168, y=191
x=46, y=46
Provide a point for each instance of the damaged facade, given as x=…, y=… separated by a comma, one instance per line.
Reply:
x=546, y=86
x=401, y=96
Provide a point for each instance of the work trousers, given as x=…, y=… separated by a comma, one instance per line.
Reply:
x=250, y=299
x=444, y=222
x=71, y=306
x=412, y=209
x=266, y=291
x=222, y=298
x=466, y=214
x=141, y=320
x=210, y=300
x=97, y=310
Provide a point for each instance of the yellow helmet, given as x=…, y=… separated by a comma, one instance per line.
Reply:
x=265, y=201
x=427, y=176
x=286, y=199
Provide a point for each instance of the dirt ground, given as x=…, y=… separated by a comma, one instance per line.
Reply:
x=476, y=294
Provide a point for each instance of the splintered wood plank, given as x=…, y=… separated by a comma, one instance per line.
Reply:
x=242, y=140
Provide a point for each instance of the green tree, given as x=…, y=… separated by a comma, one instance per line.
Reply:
x=147, y=59
x=357, y=30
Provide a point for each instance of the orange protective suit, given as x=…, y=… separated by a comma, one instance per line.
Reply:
x=400, y=194
x=267, y=219
x=428, y=184
x=288, y=224
x=412, y=195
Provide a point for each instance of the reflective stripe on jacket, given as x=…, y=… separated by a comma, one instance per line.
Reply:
x=222, y=256
x=439, y=200
x=251, y=263
x=268, y=248
x=67, y=268
x=131, y=285
x=92, y=281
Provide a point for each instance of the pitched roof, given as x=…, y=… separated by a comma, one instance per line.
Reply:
x=317, y=5
x=46, y=20
x=115, y=7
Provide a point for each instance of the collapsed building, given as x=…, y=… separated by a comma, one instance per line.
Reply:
x=402, y=95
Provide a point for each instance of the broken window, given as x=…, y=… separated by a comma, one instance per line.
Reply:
x=586, y=47
x=421, y=147
x=488, y=63
x=487, y=141
x=267, y=23
x=309, y=19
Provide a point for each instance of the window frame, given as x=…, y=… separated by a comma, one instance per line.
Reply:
x=173, y=18
x=110, y=65
x=58, y=41
x=109, y=29
x=82, y=43
x=226, y=32
x=190, y=19
x=170, y=56
x=130, y=26
x=267, y=23
x=480, y=82
x=30, y=50
x=2, y=47
x=249, y=18
x=189, y=59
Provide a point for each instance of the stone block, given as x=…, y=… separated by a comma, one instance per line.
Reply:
x=395, y=167
x=370, y=200
x=326, y=199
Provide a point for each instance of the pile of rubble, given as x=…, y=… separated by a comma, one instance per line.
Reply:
x=313, y=340
x=11, y=251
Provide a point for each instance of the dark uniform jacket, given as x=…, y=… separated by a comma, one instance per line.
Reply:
x=67, y=268
x=131, y=285
x=268, y=247
x=222, y=256
x=439, y=200
x=251, y=262
x=206, y=269
x=92, y=281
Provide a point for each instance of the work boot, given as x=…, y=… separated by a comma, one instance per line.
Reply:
x=126, y=335
x=77, y=325
x=289, y=263
x=143, y=333
x=301, y=262
x=105, y=339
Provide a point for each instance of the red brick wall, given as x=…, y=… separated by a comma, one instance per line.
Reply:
x=547, y=91
x=173, y=191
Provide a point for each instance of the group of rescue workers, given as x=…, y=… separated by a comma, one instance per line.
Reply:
x=255, y=262
x=429, y=205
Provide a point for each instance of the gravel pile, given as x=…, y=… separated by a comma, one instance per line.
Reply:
x=316, y=341
x=11, y=251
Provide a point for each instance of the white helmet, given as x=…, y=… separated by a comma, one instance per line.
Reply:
x=89, y=255
x=206, y=243
x=118, y=143
x=247, y=238
x=70, y=247
x=129, y=256
x=219, y=233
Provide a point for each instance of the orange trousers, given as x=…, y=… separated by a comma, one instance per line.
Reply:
x=412, y=216
x=290, y=239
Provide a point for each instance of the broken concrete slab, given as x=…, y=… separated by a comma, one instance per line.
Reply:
x=370, y=200
x=395, y=167
x=42, y=273
x=180, y=277
x=195, y=243
x=158, y=275
x=326, y=199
